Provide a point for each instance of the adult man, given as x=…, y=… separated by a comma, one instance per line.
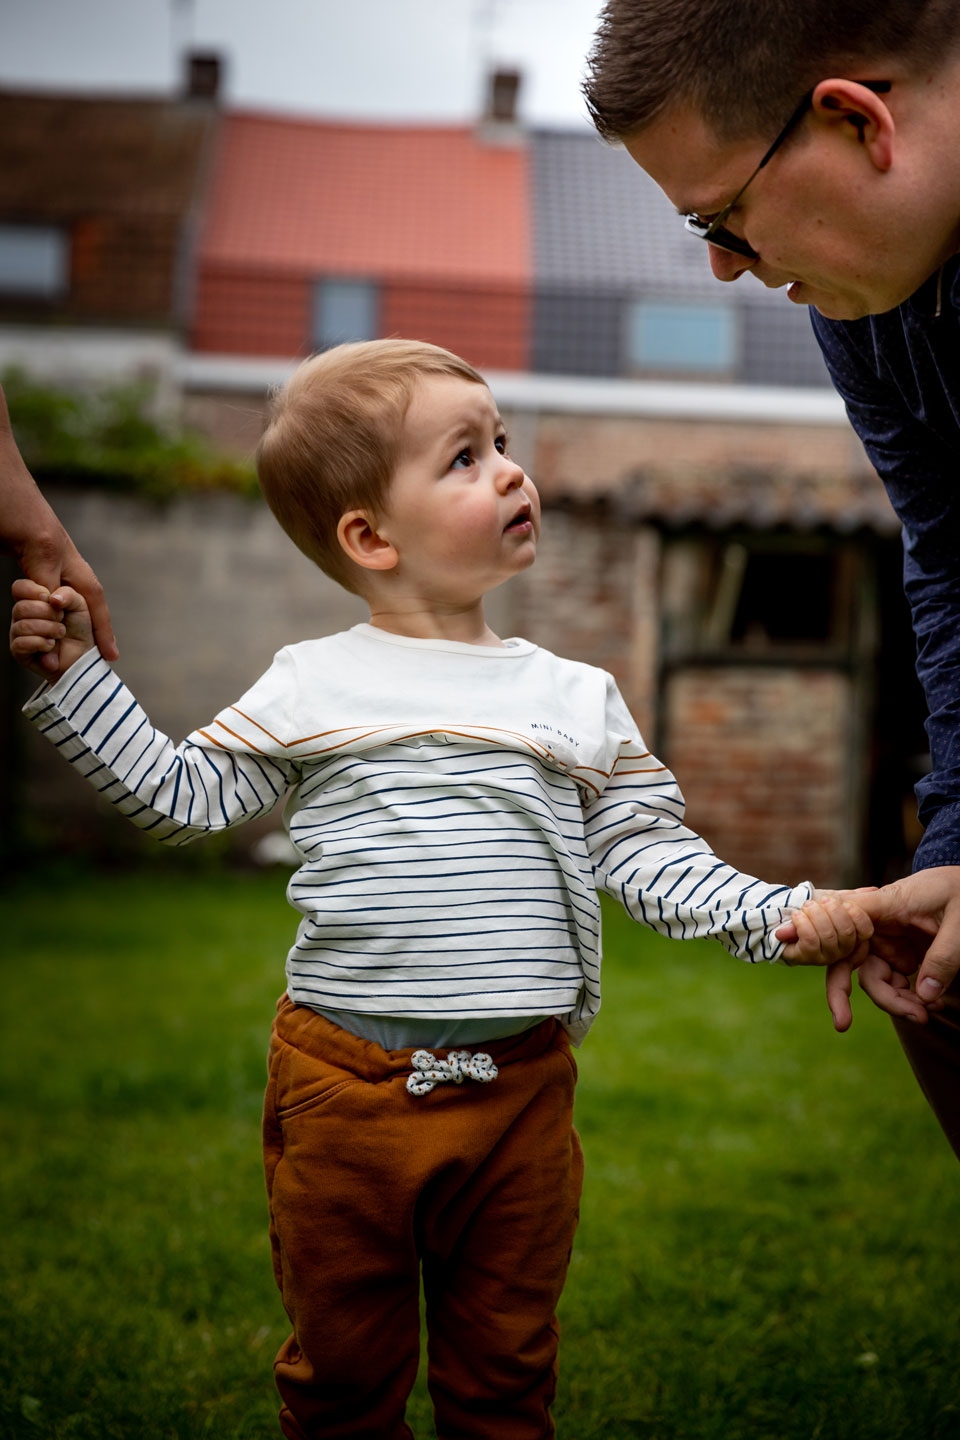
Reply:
x=814, y=145
x=30, y=531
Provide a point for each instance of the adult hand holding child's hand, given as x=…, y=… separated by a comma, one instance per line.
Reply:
x=916, y=929
x=827, y=929
x=31, y=531
x=45, y=625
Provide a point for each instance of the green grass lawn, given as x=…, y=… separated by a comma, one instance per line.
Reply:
x=769, y=1244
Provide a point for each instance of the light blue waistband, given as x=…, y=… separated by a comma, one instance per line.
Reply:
x=432, y=1032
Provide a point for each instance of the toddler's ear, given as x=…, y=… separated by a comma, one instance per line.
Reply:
x=363, y=543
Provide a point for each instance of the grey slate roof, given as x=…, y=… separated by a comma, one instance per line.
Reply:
x=601, y=223
x=602, y=228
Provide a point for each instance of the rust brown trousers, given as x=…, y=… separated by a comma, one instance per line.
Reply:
x=478, y=1184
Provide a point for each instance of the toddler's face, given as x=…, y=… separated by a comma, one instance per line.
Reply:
x=462, y=516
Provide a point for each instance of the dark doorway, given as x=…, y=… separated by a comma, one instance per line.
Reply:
x=900, y=755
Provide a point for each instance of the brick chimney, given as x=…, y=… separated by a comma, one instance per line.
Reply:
x=502, y=91
x=499, y=124
x=203, y=73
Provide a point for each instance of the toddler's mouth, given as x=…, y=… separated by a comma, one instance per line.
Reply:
x=520, y=520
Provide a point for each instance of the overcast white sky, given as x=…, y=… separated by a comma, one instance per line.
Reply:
x=400, y=59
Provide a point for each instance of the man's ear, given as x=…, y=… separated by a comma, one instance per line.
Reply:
x=850, y=107
x=363, y=543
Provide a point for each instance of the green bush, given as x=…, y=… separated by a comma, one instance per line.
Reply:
x=108, y=437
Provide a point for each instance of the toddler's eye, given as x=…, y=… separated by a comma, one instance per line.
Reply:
x=501, y=444
x=463, y=461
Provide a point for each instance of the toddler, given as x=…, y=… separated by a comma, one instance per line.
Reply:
x=456, y=801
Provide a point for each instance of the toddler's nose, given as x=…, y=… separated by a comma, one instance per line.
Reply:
x=511, y=475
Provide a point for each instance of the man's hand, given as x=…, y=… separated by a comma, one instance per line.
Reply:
x=916, y=923
x=888, y=989
x=31, y=532
x=916, y=920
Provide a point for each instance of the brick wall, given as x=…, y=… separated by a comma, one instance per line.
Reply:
x=244, y=313
x=487, y=326
x=238, y=313
x=761, y=755
x=124, y=267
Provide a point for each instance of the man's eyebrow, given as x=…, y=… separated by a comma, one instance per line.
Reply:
x=704, y=214
x=701, y=215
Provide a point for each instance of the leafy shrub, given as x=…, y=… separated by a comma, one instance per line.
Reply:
x=109, y=438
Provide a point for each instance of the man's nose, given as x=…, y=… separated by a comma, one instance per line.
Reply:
x=726, y=265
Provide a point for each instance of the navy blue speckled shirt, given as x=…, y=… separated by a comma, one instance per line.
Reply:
x=899, y=375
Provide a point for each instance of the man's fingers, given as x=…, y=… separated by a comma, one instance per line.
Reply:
x=838, y=994
x=76, y=572
x=40, y=552
x=889, y=990
x=942, y=960
x=904, y=952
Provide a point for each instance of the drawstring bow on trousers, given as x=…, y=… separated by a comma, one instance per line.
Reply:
x=460, y=1065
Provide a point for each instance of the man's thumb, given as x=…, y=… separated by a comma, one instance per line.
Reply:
x=942, y=960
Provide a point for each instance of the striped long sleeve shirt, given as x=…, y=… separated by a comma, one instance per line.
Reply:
x=455, y=807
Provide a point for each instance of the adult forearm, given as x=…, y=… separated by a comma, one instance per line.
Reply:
x=31, y=532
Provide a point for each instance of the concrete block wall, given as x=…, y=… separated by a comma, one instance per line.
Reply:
x=202, y=593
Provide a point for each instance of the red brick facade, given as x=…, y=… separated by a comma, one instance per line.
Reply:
x=763, y=759
x=489, y=327
x=249, y=313
x=246, y=312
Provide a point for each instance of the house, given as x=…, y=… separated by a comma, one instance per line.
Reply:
x=316, y=233
x=100, y=203
x=716, y=537
x=542, y=251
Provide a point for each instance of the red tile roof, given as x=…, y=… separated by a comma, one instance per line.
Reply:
x=375, y=201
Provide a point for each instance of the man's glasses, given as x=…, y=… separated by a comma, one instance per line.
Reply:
x=715, y=230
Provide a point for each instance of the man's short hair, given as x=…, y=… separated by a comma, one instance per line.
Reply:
x=744, y=67
x=335, y=438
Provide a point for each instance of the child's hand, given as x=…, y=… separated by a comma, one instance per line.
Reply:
x=46, y=624
x=826, y=929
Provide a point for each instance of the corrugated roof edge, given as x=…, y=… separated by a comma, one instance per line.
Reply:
x=771, y=404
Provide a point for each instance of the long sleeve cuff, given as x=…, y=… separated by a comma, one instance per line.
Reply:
x=52, y=708
x=941, y=839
